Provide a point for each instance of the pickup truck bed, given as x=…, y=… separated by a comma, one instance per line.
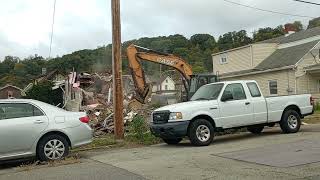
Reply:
x=226, y=105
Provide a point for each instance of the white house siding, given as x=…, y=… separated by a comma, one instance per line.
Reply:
x=237, y=60
x=285, y=81
x=307, y=83
x=261, y=51
x=169, y=83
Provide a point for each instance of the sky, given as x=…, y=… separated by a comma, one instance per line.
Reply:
x=25, y=26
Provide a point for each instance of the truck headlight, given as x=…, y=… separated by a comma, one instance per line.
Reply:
x=175, y=116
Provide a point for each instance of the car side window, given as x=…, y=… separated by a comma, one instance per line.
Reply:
x=18, y=110
x=254, y=90
x=236, y=90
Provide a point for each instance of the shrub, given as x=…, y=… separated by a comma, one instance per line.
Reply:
x=139, y=132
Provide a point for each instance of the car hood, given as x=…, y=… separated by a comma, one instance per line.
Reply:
x=186, y=106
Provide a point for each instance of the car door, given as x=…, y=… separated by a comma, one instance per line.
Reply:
x=237, y=110
x=20, y=125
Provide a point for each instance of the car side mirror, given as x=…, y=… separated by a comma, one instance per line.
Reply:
x=227, y=95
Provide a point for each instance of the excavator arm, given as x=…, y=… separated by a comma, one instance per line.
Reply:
x=136, y=53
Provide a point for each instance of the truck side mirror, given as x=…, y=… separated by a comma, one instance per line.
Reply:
x=227, y=95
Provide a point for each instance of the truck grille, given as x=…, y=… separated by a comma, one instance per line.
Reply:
x=160, y=117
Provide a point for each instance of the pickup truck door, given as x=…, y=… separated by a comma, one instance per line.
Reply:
x=260, y=112
x=235, y=108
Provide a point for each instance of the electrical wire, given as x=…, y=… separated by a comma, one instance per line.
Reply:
x=270, y=11
x=308, y=2
x=52, y=26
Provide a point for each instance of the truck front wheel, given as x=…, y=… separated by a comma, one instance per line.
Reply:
x=201, y=132
x=290, y=122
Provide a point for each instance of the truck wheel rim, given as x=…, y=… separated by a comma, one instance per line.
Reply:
x=203, y=133
x=292, y=121
x=54, y=149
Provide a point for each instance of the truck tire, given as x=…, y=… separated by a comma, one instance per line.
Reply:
x=290, y=122
x=255, y=129
x=201, y=132
x=172, y=141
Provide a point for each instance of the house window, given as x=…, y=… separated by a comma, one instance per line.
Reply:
x=166, y=80
x=273, y=87
x=166, y=87
x=223, y=59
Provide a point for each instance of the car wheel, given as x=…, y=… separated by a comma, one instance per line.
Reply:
x=172, y=141
x=52, y=147
x=290, y=122
x=201, y=132
x=255, y=129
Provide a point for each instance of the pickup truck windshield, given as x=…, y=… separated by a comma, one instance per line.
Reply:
x=208, y=92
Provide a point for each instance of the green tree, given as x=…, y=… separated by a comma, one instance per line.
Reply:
x=204, y=41
x=314, y=23
x=268, y=33
x=43, y=92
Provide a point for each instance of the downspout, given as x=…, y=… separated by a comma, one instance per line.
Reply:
x=251, y=55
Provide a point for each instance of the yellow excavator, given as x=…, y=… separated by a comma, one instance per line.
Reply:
x=191, y=81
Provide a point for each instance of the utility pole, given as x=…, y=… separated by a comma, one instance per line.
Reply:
x=117, y=70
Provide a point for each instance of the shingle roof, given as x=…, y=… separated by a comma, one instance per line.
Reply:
x=294, y=37
x=286, y=57
x=280, y=58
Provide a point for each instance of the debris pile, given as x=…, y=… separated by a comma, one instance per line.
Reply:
x=97, y=101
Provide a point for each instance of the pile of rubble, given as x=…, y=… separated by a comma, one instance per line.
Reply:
x=102, y=118
x=97, y=101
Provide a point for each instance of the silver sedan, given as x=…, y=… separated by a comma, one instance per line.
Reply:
x=33, y=128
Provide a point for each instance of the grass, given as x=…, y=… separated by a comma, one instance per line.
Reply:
x=72, y=159
x=100, y=142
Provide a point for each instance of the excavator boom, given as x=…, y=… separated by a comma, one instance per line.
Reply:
x=134, y=57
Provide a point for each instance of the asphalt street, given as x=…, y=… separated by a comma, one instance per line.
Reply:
x=271, y=155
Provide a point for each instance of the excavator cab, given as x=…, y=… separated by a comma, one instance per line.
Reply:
x=197, y=81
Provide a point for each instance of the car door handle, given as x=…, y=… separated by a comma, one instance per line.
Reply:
x=247, y=103
x=213, y=108
x=38, y=121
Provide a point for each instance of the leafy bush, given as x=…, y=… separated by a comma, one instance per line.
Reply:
x=139, y=132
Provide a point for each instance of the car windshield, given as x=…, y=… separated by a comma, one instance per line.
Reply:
x=207, y=92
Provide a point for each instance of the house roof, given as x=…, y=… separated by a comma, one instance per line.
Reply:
x=286, y=56
x=48, y=75
x=8, y=85
x=304, y=34
x=278, y=60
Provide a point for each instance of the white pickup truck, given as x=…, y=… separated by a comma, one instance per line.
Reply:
x=226, y=105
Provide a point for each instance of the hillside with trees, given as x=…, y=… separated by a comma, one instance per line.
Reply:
x=196, y=50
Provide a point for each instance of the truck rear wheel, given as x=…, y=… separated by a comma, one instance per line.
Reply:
x=255, y=129
x=201, y=132
x=290, y=122
x=172, y=141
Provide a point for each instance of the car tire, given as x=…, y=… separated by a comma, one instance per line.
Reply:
x=255, y=129
x=52, y=147
x=172, y=141
x=290, y=122
x=201, y=132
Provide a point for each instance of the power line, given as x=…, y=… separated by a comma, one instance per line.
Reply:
x=53, y=17
x=270, y=11
x=308, y=2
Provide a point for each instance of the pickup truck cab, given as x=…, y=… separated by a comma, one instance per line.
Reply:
x=226, y=105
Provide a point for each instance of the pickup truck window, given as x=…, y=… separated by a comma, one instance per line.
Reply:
x=208, y=92
x=254, y=90
x=236, y=90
